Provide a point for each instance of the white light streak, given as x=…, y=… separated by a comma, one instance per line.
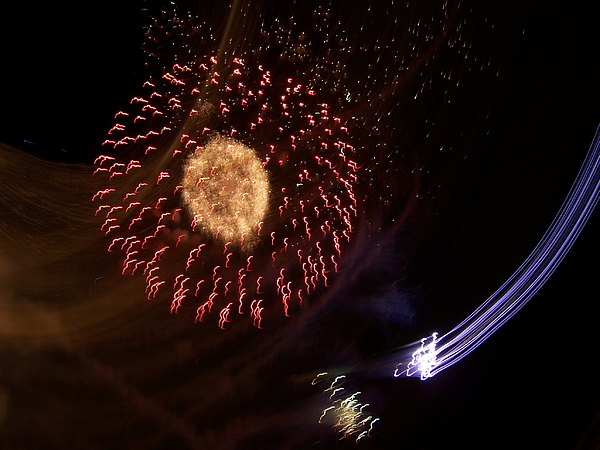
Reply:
x=438, y=354
x=226, y=188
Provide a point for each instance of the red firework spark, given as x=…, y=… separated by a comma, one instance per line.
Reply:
x=303, y=143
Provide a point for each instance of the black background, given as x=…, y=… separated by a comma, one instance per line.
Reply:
x=533, y=384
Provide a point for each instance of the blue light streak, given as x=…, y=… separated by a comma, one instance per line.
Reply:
x=436, y=353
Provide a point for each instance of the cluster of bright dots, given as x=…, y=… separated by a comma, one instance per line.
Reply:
x=346, y=412
x=232, y=205
x=437, y=354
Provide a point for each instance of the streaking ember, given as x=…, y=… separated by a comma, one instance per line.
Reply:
x=347, y=415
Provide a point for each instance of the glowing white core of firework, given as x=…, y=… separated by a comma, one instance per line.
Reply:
x=226, y=188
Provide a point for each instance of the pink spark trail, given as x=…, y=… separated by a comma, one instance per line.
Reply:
x=306, y=147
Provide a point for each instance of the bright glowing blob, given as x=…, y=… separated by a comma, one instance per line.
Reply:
x=226, y=189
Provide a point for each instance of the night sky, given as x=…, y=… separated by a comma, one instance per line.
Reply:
x=87, y=361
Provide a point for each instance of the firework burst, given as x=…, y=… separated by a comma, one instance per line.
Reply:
x=236, y=178
x=238, y=191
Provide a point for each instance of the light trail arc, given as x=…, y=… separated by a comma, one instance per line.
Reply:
x=436, y=353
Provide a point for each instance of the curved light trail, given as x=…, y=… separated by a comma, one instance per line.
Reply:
x=436, y=353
